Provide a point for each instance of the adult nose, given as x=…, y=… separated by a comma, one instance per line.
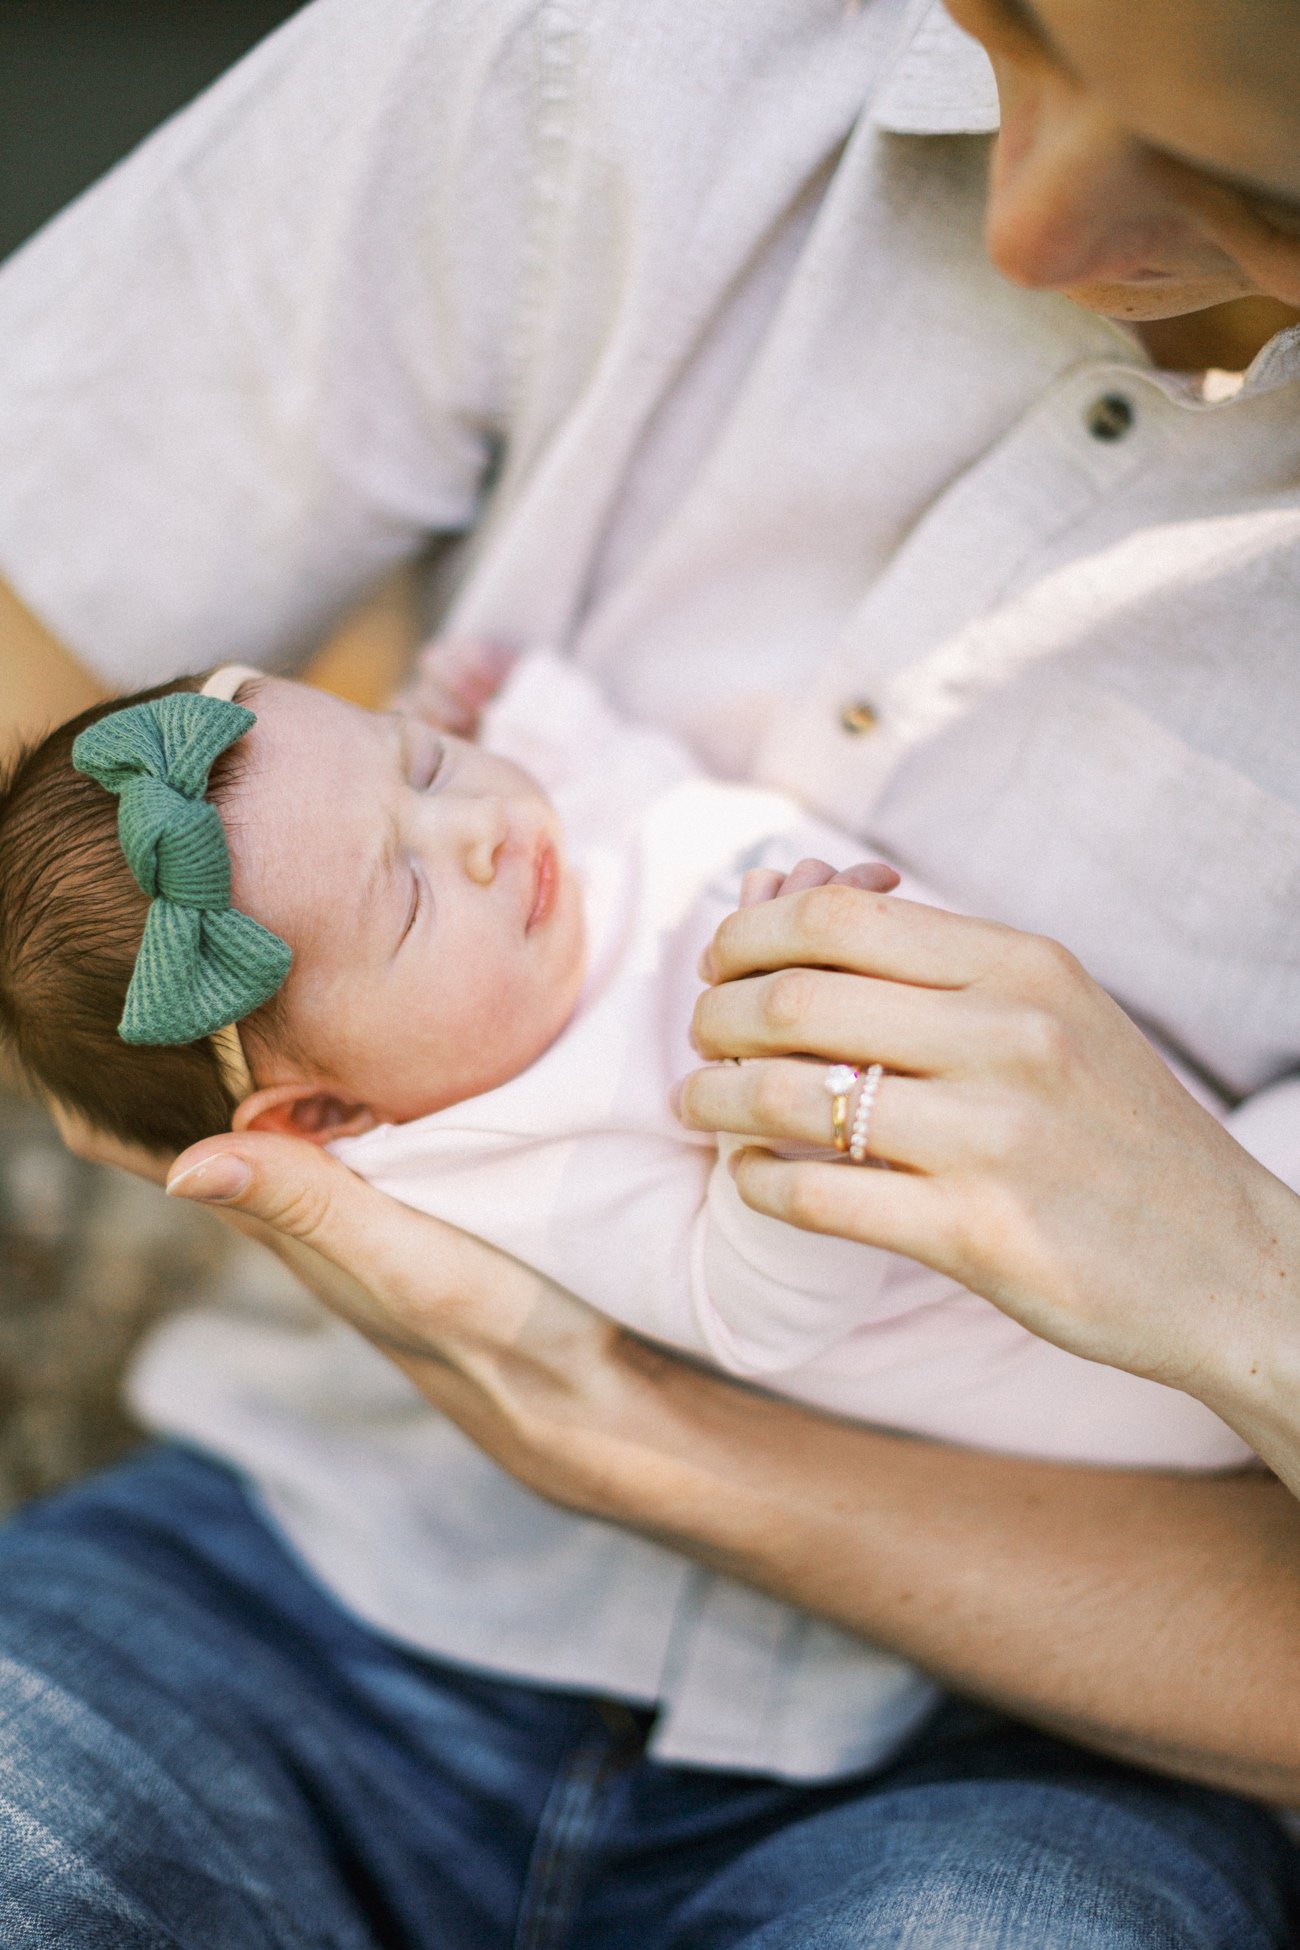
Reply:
x=1071, y=199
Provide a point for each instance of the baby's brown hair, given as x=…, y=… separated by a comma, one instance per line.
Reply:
x=71, y=922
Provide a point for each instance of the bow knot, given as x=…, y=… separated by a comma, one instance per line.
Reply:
x=201, y=964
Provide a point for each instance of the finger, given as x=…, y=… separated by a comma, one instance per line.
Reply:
x=452, y=679
x=871, y=875
x=469, y=669
x=760, y=884
x=785, y=1100
x=807, y=873
x=895, y=1210
x=766, y=883
x=426, y=699
x=867, y=933
x=486, y=669
x=846, y=1019
x=411, y=1280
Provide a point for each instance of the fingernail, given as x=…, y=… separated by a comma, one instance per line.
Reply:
x=733, y=1162
x=675, y=1101
x=704, y=968
x=212, y=1181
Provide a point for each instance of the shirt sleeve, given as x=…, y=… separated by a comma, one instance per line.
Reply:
x=768, y=1297
x=266, y=357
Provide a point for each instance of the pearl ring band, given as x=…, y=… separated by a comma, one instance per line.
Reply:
x=838, y=1083
x=862, y=1117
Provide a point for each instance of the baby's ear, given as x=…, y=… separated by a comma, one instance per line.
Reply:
x=303, y=1110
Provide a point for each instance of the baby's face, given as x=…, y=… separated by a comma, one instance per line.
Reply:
x=421, y=883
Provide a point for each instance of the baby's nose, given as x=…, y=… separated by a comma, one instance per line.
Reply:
x=483, y=836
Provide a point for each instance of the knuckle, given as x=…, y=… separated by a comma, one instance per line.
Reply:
x=771, y=1096
x=1040, y=1041
x=806, y=1201
x=787, y=1000
x=1007, y=1131
x=832, y=912
x=977, y=1232
x=1050, y=968
x=300, y=1210
x=947, y=1237
x=1024, y=1040
x=728, y=928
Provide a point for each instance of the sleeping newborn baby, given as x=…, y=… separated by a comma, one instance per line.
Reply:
x=470, y=967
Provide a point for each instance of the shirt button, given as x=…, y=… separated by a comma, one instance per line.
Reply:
x=858, y=716
x=1110, y=417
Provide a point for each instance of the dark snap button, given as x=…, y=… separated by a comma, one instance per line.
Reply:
x=1110, y=417
x=858, y=716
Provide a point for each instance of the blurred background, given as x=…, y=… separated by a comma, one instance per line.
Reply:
x=81, y=81
x=88, y=1258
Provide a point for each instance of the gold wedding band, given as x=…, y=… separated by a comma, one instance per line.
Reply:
x=839, y=1081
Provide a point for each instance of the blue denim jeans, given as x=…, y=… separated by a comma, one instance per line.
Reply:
x=198, y=1748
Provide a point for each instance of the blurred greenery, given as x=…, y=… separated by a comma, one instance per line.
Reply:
x=81, y=81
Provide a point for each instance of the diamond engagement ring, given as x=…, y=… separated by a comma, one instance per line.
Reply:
x=862, y=1118
x=839, y=1081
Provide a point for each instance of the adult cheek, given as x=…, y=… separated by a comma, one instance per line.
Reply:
x=1070, y=202
x=1267, y=259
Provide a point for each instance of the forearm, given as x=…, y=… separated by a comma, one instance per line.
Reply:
x=42, y=682
x=1250, y=1374
x=1263, y=1405
x=1150, y=1616
x=1153, y=1617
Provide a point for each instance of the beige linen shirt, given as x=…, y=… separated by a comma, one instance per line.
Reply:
x=679, y=315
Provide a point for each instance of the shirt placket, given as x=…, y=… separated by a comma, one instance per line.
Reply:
x=909, y=657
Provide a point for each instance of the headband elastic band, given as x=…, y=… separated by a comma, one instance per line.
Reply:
x=227, y=1043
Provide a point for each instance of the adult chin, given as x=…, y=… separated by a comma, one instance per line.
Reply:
x=1150, y=299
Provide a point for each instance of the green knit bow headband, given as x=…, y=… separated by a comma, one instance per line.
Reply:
x=202, y=964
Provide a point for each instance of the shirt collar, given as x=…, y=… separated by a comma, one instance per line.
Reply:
x=940, y=81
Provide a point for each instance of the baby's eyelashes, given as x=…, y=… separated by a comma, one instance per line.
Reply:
x=422, y=751
x=413, y=910
x=433, y=766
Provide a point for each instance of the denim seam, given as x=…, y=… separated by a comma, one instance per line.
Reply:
x=562, y=1851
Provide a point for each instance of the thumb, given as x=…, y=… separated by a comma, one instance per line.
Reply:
x=403, y=1278
x=290, y=1185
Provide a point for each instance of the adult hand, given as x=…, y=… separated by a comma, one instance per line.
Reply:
x=768, y=884
x=1043, y=1154
x=551, y=1390
x=1078, y=1598
x=324, y=1223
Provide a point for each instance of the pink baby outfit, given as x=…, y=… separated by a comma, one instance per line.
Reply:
x=578, y=1167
